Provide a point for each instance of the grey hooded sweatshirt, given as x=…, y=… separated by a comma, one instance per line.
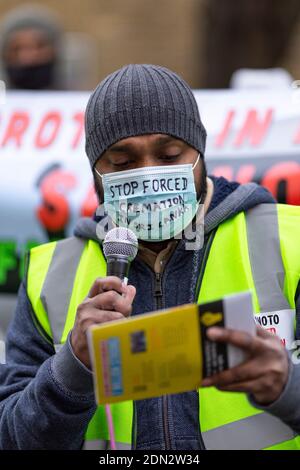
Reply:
x=47, y=399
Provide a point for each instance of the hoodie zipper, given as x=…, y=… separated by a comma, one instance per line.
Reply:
x=158, y=294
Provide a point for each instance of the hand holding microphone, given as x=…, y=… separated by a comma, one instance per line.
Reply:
x=109, y=298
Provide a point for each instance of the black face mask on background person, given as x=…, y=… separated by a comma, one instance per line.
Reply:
x=31, y=77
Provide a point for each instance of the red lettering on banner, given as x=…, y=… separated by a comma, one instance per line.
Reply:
x=274, y=332
x=16, y=128
x=54, y=212
x=221, y=137
x=296, y=139
x=79, y=119
x=44, y=137
x=223, y=170
x=253, y=129
x=245, y=174
x=90, y=203
x=288, y=173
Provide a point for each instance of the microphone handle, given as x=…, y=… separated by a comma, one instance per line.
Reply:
x=118, y=266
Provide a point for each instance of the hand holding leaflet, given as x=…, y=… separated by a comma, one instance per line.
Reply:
x=167, y=351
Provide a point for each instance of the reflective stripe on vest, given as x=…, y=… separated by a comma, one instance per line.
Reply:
x=265, y=257
x=58, y=286
x=99, y=444
x=253, y=433
x=96, y=444
x=57, y=293
x=231, y=267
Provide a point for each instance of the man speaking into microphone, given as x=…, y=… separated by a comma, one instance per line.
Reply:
x=145, y=142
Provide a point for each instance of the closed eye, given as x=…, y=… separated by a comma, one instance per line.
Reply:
x=169, y=158
x=123, y=164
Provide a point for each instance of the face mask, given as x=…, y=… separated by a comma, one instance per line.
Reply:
x=156, y=203
x=31, y=77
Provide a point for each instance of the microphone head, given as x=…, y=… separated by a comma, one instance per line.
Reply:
x=120, y=241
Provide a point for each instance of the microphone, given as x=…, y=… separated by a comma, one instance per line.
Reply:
x=120, y=247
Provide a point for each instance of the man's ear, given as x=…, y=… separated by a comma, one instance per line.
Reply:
x=201, y=188
x=204, y=169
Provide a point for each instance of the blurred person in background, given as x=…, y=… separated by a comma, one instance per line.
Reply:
x=31, y=48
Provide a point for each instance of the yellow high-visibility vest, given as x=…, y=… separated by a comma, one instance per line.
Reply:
x=257, y=250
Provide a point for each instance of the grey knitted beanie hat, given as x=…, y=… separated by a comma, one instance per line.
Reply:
x=138, y=100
